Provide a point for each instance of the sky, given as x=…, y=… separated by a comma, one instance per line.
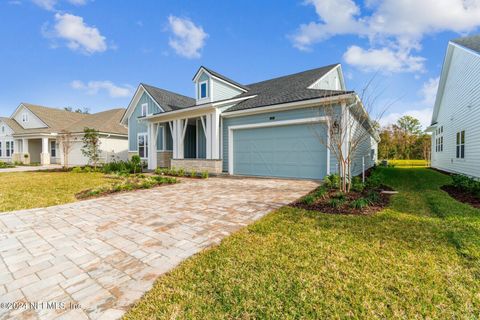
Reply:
x=93, y=54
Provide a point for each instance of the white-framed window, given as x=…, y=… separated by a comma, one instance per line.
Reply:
x=24, y=117
x=203, y=90
x=439, y=139
x=460, y=149
x=9, y=148
x=53, y=149
x=144, y=109
x=1, y=149
x=142, y=145
x=3, y=129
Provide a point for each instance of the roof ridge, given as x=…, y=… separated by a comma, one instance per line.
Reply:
x=331, y=66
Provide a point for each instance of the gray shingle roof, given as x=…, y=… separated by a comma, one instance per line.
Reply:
x=290, y=88
x=169, y=101
x=221, y=76
x=472, y=42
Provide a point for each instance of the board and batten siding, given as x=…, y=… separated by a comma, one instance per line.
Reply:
x=5, y=135
x=135, y=126
x=460, y=110
x=271, y=117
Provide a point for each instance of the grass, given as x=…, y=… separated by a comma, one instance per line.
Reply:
x=408, y=163
x=420, y=258
x=25, y=190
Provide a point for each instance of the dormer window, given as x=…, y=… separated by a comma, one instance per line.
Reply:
x=25, y=117
x=203, y=90
x=144, y=110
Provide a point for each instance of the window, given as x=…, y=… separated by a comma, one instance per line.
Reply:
x=203, y=90
x=53, y=149
x=0, y=149
x=144, y=109
x=9, y=149
x=24, y=117
x=3, y=129
x=142, y=145
x=461, y=145
x=439, y=139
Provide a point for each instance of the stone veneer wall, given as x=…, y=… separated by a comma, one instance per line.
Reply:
x=199, y=165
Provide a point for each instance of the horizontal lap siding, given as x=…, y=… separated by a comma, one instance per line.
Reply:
x=135, y=127
x=223, y=91
x=265, y=117
x=460, y=110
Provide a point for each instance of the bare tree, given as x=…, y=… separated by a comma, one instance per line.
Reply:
x=65, y=140
x=348, y=125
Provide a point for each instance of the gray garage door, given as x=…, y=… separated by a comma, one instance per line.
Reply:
x=291, y=151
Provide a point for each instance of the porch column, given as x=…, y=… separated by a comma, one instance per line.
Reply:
x=45, y=155
x=173, y=130
x=213, y=135
x=25, y=160
x=152, y=147
x=181, y=130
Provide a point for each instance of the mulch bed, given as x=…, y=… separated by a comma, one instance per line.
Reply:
x=322, y=205
x=462, y=196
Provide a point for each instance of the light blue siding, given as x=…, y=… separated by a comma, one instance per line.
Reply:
x=271, y=117
x=290, y=151
x=223, y=91
x=135, y=127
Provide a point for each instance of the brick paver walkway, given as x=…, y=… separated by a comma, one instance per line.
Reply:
x=94, y=258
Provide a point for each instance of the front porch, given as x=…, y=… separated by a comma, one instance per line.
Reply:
x=38, y=149
x=195, y=141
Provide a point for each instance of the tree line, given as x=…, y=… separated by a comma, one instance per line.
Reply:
x=404, y=140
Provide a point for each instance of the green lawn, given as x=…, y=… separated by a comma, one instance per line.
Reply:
x=420, y=258
x=25, y=190
x=408, y=163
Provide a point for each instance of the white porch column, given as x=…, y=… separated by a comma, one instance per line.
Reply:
x=45, y=155
x=152, y=147
x=215, y=133
x=25, y=160
x=181, y=130
x=173, y=130
x=208, y=124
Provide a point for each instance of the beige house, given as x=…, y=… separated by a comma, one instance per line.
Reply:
x=32, y=135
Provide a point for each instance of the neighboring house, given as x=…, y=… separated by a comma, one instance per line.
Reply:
x=456, y=115
x=31, y=135
x=261, y=129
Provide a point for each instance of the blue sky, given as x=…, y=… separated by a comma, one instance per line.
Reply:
x=93, y=54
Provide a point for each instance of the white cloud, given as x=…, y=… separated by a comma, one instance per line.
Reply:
x=397, y=26
x=188, y=39
x=385, y=60
x=50, y=4
x=429, y=91
x=423, y=115
x=78, y=35
x=93, y=87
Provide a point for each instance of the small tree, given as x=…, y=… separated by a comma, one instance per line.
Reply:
x=136, y=162
x=65, y=141
x=91, y=146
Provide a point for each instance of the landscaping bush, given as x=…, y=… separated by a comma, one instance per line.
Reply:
x=5, y=165
x=374, y=181
x=466, y=184
x=204, y=174
x=359, y=203
x=77, y=169
x=335, y=202
x=180, y=173
x=332, y=181
x=357, y=184
x=308, y=199
x=132, y=166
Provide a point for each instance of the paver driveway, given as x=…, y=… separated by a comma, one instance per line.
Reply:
x=103, y=254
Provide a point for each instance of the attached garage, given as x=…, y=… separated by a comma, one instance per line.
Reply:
x=286, y=150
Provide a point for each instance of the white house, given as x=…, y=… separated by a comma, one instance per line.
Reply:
x=455, y=123
x=31, y=135
x=260, y=129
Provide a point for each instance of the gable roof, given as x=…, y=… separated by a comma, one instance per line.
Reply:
x=168, y=100
x=58, y=120
x=472, y=42
x=221, y=76
x=289, y=88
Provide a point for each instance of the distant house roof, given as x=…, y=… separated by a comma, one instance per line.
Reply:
x=472, y=42
x=285, y=89
x=58, y=120
x=168, y=101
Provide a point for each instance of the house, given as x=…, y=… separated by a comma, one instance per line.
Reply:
x=260, y=129
x=456, y=115
x=32, y=135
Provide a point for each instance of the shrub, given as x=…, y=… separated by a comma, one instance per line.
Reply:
x=320, y=192
x=205, y=174
x=308, y=199
x=373, y=197
x=77, y=169
x=136, y=163
x=340, y=196
x=374, y=181
x=87, y=169
x=4, y=165
x=181, y=172
x=132, y=166
x=357, y=184
x=466, y=184
x=335, y=203
x=332, y=181
x=359, y=203
x=193, y=174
